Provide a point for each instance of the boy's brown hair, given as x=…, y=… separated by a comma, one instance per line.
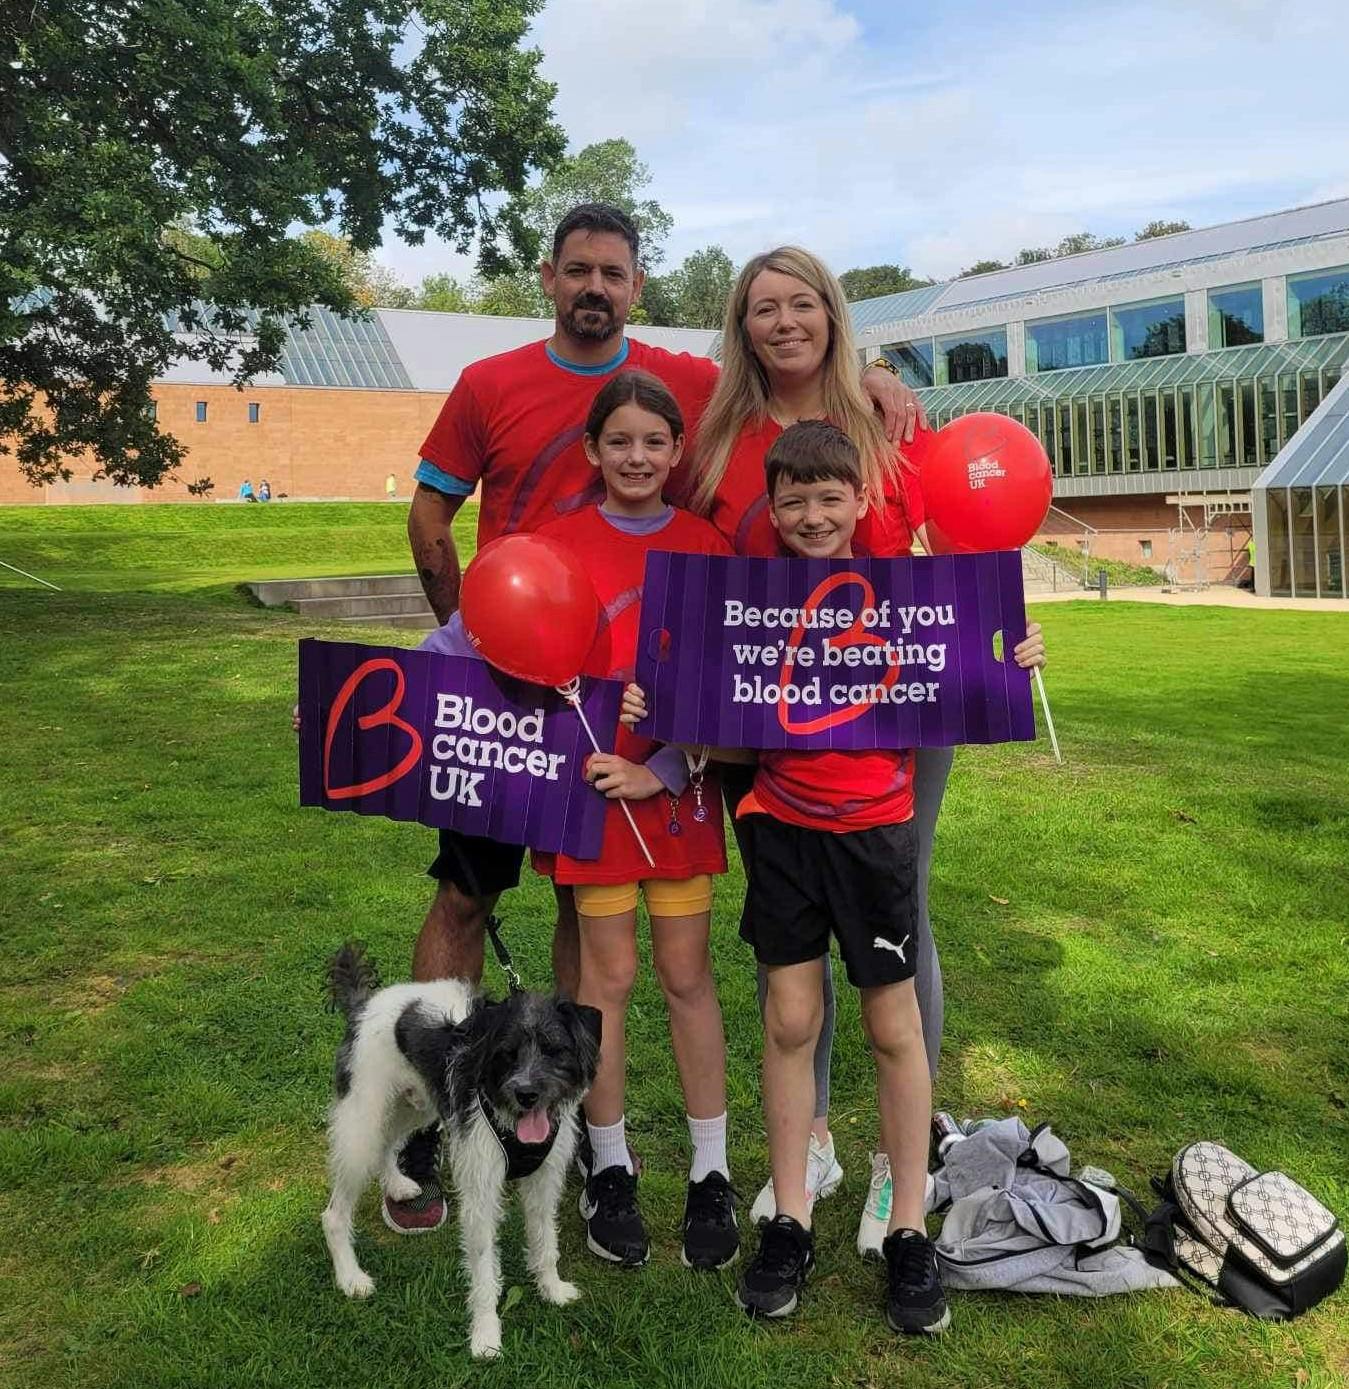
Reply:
x=812, y=451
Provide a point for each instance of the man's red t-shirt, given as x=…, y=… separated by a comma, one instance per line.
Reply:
x=616, y=563
x=514, y=423
x=740, y=507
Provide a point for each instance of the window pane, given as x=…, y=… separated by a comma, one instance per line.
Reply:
x=1236, y=316
x=1329, y=543
x=1227, y=426
x=1148, y=330
x=1065, y=417
x=1269, y=418
x=1170, y=451
x=1134, y=429
x=1098, y=434
x=914, y=360
x=1067, y=342
x=1318, y=303
x=1278, y=543
x=971, y=357
x=1116, y=434
x=1151, y=451
x=1189, y=451
x=201, y=412
x=1304, y=547
x=1248, y=457
x=254, y=412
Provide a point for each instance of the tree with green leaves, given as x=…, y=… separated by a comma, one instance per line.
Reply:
x=370, y=284
x=982, y=267
x=871, y=281
x=606, y=172
x=444, y=294
x=694, y=294
x=1161, y=227
x=1078, y=242
x=154, y=154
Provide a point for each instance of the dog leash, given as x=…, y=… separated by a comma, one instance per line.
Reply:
x=503, y=955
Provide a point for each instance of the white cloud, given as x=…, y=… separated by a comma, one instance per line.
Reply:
x=933, y=142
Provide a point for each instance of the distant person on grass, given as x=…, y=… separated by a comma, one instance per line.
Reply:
x=246, y=491
x=512, y=427
x=264, y=491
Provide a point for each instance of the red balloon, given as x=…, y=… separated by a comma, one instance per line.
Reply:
x=986, y=483
x=530, y=608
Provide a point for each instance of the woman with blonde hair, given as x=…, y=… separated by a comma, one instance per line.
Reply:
x=788, y=354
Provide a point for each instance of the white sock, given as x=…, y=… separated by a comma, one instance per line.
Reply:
x=609, y=1143
x=709, y=1147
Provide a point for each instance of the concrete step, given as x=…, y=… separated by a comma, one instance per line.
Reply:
x=272, y=593
x=369, y=605
x=418, y=622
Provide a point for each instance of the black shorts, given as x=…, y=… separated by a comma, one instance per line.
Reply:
x=861, y=885
x=478, y=867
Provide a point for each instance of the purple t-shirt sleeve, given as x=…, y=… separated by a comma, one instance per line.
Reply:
x=450, y=640
x=671, y=768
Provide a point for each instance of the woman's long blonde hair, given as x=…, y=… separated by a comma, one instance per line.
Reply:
x=742, y=392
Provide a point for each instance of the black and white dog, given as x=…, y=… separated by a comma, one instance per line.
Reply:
x=505, y=1081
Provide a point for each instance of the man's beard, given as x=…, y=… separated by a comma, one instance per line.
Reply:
x=574, y=321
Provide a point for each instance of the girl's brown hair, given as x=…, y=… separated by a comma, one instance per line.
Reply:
x=634, y=388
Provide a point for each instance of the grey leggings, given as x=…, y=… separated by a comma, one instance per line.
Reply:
x=932, y=766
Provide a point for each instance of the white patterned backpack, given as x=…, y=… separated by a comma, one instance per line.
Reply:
x=1256, y=1239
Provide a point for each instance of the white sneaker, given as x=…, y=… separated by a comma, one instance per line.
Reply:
x=875, y=1222
x=823, y=1177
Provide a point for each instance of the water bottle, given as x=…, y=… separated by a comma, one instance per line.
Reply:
x=946, y=1131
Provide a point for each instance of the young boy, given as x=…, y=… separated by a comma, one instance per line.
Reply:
x=831, y=847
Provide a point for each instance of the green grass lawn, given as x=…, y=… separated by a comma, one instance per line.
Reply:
x=1145, y=946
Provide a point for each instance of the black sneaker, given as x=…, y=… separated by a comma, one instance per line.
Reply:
x=771, y=1285
x=914, y=1301
x=426, y=1211
x=711, y=1231
x=585, y=1155
x=614, y=1228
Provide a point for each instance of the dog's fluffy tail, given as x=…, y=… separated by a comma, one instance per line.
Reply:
x=351, y=979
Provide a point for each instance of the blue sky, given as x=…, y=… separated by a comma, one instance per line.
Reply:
x=935, y=135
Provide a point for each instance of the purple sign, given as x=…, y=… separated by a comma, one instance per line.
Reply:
x=452, y=743
x=864, y=653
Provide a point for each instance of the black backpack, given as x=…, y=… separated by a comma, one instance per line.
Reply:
x=1255, y=1239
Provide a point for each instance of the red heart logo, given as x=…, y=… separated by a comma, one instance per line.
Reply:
x=856, y=635
x=386, y=715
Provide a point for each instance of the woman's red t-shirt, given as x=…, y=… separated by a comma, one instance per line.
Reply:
x=740, y=507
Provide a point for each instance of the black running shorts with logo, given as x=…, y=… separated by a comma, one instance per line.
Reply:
x=861, y=886
x=478, y=867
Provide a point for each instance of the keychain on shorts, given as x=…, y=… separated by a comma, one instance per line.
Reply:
x=696, y=769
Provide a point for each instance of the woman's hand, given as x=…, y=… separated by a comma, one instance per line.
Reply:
x=621, y=780
x=901, y=411
x=1030, y=652
x=633, y=708
x=295, y=718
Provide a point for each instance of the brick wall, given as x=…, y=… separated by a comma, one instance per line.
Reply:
x=308, y=442
x=1125, y=526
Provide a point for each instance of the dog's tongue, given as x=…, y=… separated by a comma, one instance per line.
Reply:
x=532, y=1127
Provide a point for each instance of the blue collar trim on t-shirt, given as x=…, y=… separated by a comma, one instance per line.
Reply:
x=639, y=525
x=601, y=369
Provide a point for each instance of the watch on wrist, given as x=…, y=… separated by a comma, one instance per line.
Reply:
x=884, y=363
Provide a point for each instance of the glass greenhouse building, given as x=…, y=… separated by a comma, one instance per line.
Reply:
x=1161, y=376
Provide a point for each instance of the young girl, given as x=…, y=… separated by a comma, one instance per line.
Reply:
x=634, y=436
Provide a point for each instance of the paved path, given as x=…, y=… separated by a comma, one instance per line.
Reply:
x=1218, y=596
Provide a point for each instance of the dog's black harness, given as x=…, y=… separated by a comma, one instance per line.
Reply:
x=522, y=1159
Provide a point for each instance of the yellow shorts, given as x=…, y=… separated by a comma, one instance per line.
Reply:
x=664, y=896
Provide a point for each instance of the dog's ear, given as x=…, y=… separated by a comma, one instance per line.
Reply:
x=583, y=1027
x=581, y=1016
